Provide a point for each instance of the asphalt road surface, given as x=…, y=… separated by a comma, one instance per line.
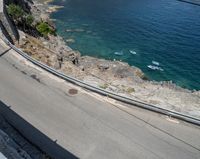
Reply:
x=87, y=126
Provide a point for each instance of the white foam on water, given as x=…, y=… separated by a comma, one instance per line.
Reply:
x=155, y=68
x=119, y=53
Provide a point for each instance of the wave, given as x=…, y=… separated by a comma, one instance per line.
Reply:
x=119, y=53
x=155, y=68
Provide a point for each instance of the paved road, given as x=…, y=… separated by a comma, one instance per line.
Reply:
x=89, y=127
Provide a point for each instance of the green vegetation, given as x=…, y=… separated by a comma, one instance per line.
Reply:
x=20, y=16
x=44, y=29
x=104, y=86
x=130, y=90
x=29, y=19
x=15, y=11
x=26, y=22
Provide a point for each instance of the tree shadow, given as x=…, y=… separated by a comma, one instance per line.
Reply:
x=33, y=135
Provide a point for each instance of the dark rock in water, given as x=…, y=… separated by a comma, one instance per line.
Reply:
x=145, y=78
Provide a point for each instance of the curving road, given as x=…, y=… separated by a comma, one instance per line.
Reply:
x=86, y=125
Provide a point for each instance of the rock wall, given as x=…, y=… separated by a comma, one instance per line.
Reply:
x=7, y=25
x=25, y=4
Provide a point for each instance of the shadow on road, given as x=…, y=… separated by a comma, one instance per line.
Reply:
x=33, y=135
x=3, y=53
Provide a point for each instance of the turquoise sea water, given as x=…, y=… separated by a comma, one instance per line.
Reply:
x=140, y=31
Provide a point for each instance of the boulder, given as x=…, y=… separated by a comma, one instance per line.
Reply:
x=103, y=66
x=72, y=56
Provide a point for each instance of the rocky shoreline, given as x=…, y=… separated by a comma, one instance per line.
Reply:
x=115, y=76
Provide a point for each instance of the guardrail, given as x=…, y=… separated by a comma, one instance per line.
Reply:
x=115, y=96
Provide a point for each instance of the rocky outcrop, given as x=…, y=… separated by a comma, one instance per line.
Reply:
x=110, y=69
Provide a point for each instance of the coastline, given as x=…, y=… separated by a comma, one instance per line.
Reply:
x=115, y=76
x=54, y=8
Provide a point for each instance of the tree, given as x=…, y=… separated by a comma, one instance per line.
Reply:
x=23, y=19
x=15, y=11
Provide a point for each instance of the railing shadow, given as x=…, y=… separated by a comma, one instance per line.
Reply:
x=35, y=136
x=3, y=53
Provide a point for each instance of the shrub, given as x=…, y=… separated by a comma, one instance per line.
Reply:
x=104, y=86
x=130, y=90
x=29, y=19
x=45, y=29
x=19, y=15
x=15, y=11
x=25, y=21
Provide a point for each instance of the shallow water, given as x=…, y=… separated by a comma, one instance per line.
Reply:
x=142, y=31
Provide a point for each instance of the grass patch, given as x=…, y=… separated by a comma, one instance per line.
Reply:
x=130, y=90
x=44, y=29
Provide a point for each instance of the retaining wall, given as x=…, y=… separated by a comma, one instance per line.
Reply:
x=7, y=25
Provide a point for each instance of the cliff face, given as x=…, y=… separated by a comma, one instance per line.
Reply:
x=25, y=4
x=7, y=25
